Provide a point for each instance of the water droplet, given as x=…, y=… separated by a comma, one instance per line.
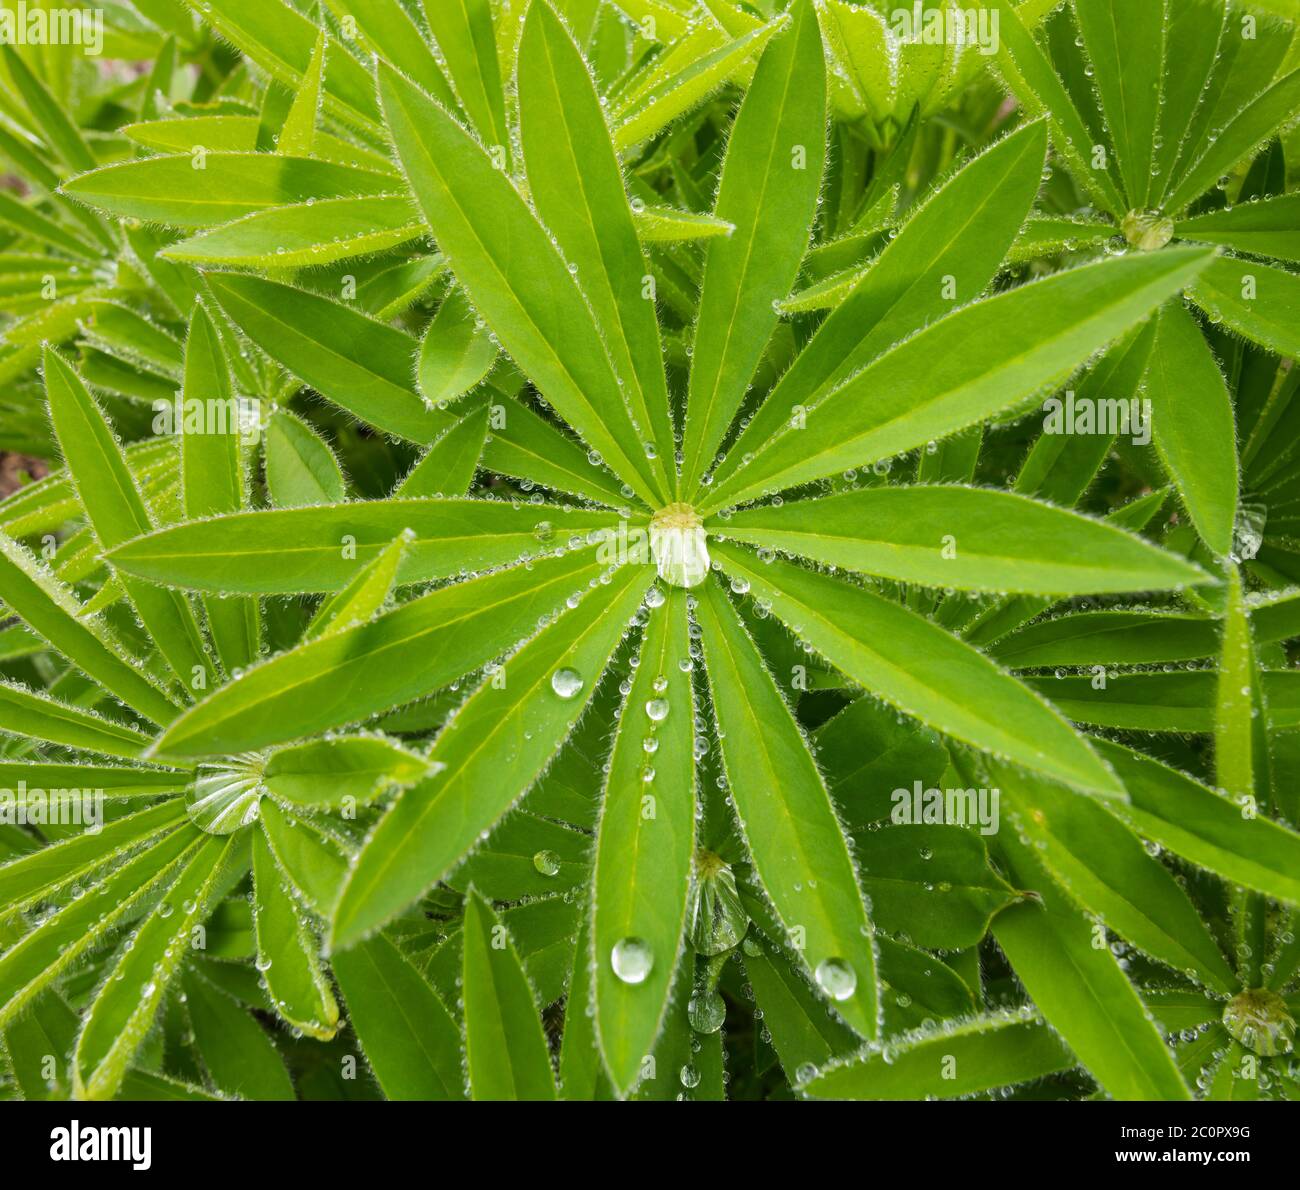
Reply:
x=566, y=682
x=690, y=1076
x=706, y=1012
x=632, y=960
x=657, y=709
x=836, y=978
x=547, y=863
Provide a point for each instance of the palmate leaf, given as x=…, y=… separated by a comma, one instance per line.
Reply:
x=459, y=297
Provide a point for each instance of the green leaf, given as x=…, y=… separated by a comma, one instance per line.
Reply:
x=287, y=951
x=916, y=666
x=506, y=1054
x=455, y=354
x=1193, y=426
x=237, y=1053
x=769, y=187
x=298, y=133
x=962, y=369
x=803, y=1033
x=800, y=854
x=39, y=717
x=399, y=656
x=1029, y=73
x=117, y=512
x=667, y=225
x=963, y=538
x=1107, y=638
x=1267, y=227
x=448, y=467
x=214, y=474
x=313, y=862
x=1078, y=986
x=122, y=1012
x=958, y=1059
x=431, y=827
x=514, y=275
x=409, y=1038
x=328, y=772
x=645, y=845
x=300, y=467
x=311, y=233
x=1244, y=133
x=281, y=41
x=323, y=548
x=1106, y=870
x=576, y=184
x=905, y=286
x=1119, y=41
x=203, y=189
x=54, y=123
x=932, y=884
x=388, y=29
x=50, y=610
x=1204, y=826
x=641, y=116
x=364, y=596
x=464, y=32
x=1241, y=758
x=51, y=949
x=362, y=365
x=1256, y=301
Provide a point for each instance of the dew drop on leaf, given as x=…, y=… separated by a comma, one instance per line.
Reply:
x=566, y=682
x=836, y=978
x=632, y=960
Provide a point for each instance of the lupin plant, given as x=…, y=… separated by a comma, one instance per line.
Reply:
x=655, y=549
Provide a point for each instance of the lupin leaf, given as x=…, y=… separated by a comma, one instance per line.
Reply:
x=505, y=1049
x=797, y=843
x=645, y=846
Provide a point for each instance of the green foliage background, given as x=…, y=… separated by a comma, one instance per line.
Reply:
x=528, y=482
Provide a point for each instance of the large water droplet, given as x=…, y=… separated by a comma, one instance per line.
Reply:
x=706, y=1012
x=657, y=709
x=566, y=682
x=836, y=978
x=632, y=960
x=547, y=863
x=679, y=546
